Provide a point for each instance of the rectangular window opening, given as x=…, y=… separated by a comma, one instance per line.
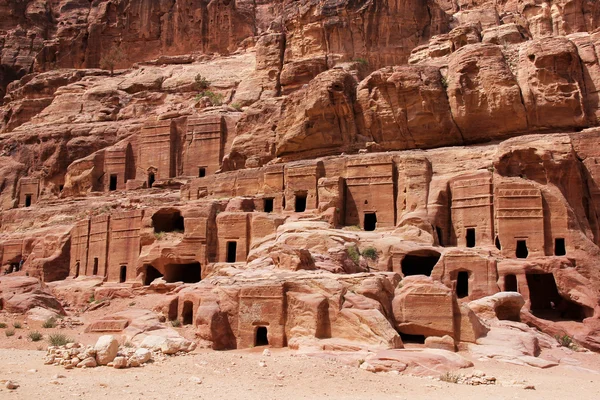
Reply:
x=231, y=252
x=113, y=182
x=268, y=205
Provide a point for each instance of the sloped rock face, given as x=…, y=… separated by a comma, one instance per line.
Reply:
x=406, y=107
x=484, y=95
x=326, y=175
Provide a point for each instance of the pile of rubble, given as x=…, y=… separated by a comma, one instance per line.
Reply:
x=475, y=378
x=108, y=352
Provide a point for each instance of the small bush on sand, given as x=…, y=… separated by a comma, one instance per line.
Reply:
x=370, y=252
x=450, y=377
x=59, y=339
x=35, y=336
x=353, y=254
x=49, y=323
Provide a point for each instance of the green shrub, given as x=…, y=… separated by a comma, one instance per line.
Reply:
x=35, y=336
x=17, y=325
x=362, y=61
x=236, y=106
x=176, y=323
x=370, y=253
x=49, y=323
x=566, y=341
x=2, y=325
x=110, y=59
x=215, y=98
x=159, y=235
x=445, y=82
x=9, y=332
x=353, y=254
x=201, y=83
x=450, y=377
x=59, y=339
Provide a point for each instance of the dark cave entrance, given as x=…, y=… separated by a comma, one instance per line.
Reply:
x=123, y=274
x=187, y=314
x=462, y=284
x=510, y=283
x=559, y=247
x=268, y=205
x=547, y=303
x=151, y=274
x=186, y=273
x=470, y=237
x=27, y=200
x=112, y=185
x=522, y=251
x=370, y=222
x=151, y=179
x=231, y=252
x=168, y=221
x=261, y=337
x=419, y=263
x=300, y=203
x=414, y=339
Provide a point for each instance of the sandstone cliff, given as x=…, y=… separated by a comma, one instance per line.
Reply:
x=295, y=163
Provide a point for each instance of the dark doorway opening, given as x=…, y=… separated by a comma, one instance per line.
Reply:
x=77, y=269
x=522, y=251
x=151, y=179
x=112, y=183
x=547, y=303
x=168, y=221
x=95, y=269
x=123, y=274
x=300, y=205
x=27, y=200
x=419, y=263
x=498, y=245
x=231, y=252
x=261, y=338
x=370, y=221
x=470, y=237
x=268, y=205
x=414, y=339
x=559, y=247
x=151, y=274
x=510, y=283
x=462, y=284
x=187, y=314
x=438, y=230
x=186, y=273
x=201, y=172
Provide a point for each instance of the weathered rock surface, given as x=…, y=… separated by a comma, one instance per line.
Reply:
x=328, y=176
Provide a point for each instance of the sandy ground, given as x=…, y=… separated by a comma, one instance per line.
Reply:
x=287, y=375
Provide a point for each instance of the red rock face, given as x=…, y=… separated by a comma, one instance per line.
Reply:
x=283, y=169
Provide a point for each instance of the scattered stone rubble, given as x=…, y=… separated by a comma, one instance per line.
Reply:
x=108, y=352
